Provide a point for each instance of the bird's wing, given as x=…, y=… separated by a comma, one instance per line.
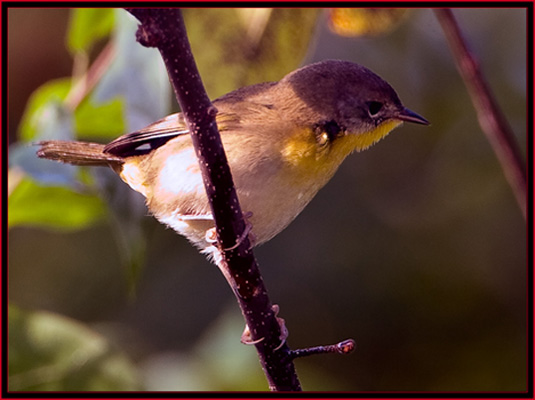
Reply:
x=159, y=133
x=147, y=139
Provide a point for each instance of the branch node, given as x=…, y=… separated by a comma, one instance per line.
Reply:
x=212, y=110
x=148, y=35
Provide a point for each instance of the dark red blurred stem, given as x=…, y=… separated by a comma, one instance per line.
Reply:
x=491, y=118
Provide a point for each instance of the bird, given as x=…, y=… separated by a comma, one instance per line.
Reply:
x=284, y=141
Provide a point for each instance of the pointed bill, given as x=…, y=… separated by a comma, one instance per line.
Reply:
x=411, y=116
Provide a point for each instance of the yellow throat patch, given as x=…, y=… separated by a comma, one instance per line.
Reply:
x=365, y=140
x=304, y=151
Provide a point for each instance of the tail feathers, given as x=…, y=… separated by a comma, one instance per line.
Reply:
x=77, y=153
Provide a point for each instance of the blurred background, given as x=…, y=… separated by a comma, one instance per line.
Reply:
x=416, y=248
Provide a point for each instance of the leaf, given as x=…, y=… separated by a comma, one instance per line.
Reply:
x=87, y=26
x=22, y=157
x=49, y=352
x=43, y=108
x=46, y=118
x=52, y=207
x=100, y=120
x=365, y=21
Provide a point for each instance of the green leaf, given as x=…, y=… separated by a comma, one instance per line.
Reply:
x=52, y=207
x=43, y=106
x=100, y=120
x=88, y=25
x=49, y=352
x=47, y=118
x=22, y=158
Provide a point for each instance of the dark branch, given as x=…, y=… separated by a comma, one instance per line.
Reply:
x=164, y=29
x=491, y=119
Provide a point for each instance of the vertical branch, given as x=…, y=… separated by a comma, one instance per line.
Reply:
x=491, y=119
x=164, y=29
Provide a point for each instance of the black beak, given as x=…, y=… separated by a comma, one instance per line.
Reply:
x=411, y=116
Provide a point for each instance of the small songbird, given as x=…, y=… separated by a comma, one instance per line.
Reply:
x=283, y=140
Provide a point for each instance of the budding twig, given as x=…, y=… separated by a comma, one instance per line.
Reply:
x=344, y=347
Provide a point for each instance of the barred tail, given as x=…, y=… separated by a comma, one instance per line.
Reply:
x=77, y=153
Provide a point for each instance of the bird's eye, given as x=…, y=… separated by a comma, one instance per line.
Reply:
x=374, y=107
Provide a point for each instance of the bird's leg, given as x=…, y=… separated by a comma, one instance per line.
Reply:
x=211, y=235
x=246, y=231
x=246, y=335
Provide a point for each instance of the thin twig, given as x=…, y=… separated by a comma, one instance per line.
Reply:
x=491, y=119
x=344, y=347
x=164, y=29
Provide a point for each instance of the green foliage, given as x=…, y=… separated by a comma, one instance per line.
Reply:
x=48, y=194
x=48, y=352
x=133, y=92
x=88, y=25
x=43, y=107
x=52, y=207
x=100, y=120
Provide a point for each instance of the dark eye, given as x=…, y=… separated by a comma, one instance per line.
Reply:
x=374, y=107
